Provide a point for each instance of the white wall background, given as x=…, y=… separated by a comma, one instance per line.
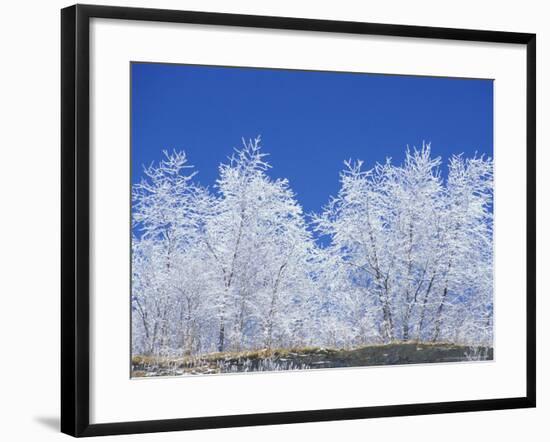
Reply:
x=29, y=220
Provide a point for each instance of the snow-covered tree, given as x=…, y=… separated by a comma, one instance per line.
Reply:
x=413, y=244
x=165, y=299
x=408, y=257
x=258, y=242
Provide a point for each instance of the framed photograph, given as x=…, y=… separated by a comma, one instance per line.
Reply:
x=272, y=220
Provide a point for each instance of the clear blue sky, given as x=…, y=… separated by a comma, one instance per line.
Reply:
x=310, y=122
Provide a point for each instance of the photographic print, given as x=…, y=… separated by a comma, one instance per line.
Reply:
x=296, y=220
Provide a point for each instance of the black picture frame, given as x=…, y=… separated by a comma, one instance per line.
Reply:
x=75, y=225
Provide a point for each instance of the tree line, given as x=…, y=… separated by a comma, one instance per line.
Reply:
x=408, y=256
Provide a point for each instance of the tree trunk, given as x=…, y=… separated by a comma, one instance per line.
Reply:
x=423, y=312
x=438, y=316
x=221, y=336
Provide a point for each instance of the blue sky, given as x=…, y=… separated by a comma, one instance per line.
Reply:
x=310, y=122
